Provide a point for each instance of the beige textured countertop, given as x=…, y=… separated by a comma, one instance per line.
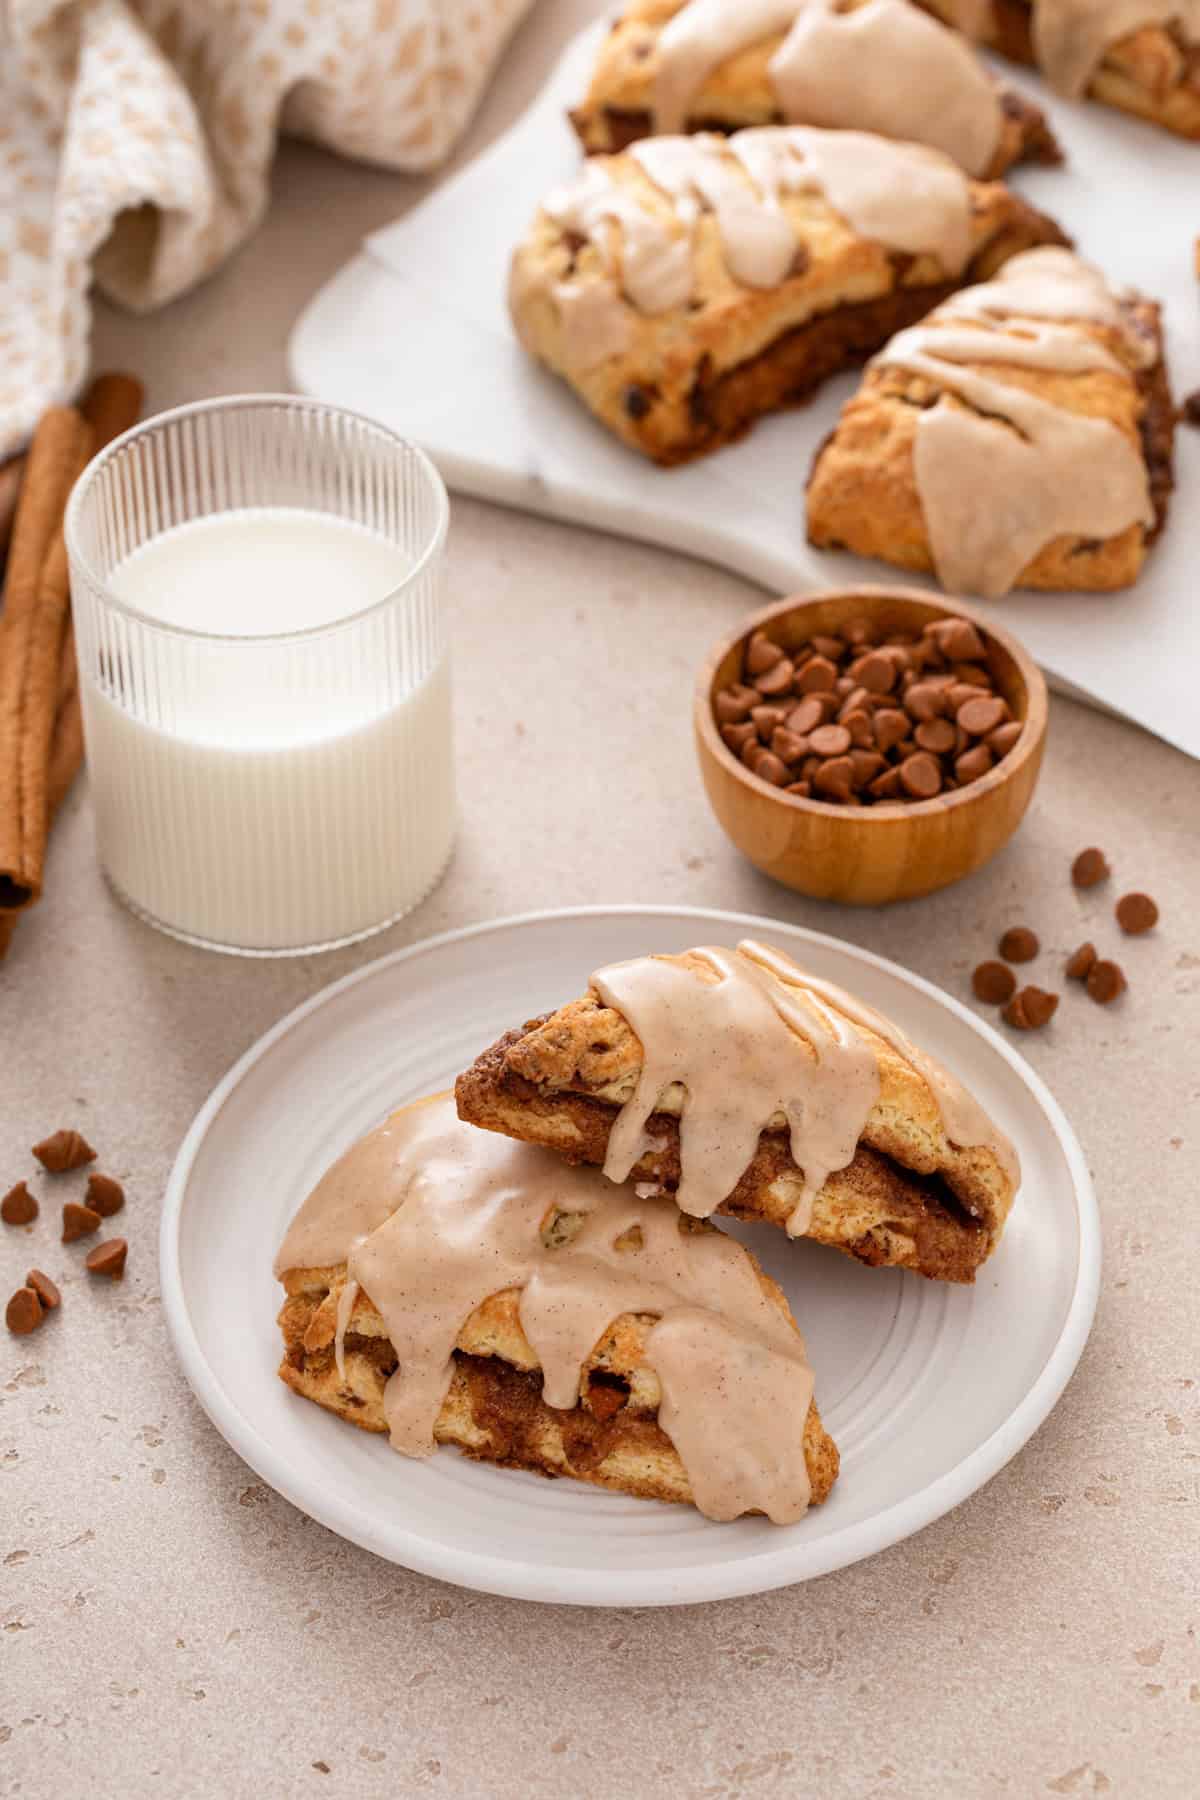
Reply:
x=171, y=1627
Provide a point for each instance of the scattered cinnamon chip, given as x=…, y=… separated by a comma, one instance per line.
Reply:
x=63, y=1151
x=78, y=1221
x=1189, y=412
x=1090, y=867
x=45, y=1289
x=18, y=1206
x=994, y=983
x=23, y=1313
x=1019, y=944
x=1105, y=982
x=1136, y=913
x=104, y=1195
x=108, y=1258
x=1031, y=1008
x=1081, y=963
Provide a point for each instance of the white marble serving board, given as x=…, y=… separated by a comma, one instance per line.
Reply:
x=415, y=331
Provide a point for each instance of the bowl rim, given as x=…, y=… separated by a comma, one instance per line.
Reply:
x=884, y=812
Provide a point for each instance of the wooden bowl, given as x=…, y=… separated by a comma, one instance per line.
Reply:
x=868, y=855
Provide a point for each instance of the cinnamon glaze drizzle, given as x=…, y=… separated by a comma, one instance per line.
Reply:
x=881, y=66
x=754, y=1042
x=904, y=196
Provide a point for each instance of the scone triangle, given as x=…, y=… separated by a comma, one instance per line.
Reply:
x=739, y=1084
x=449, y=1287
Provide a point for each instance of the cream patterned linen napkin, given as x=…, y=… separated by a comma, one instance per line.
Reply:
x=136, y=139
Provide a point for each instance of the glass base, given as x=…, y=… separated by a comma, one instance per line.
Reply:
x=338, y=943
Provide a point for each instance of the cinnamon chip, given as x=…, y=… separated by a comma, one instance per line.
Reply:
x=830, y=740
x=777, y=679
x=44, y=1288
x=1105, y=982
x=108, y=1258
x=761, y=654
x=921, y=776
x=958, y=640
x=23, y=1313
x=63, y=1151
x=994, y=983
x=78, y=1221
x=890, y=727
x=806, y=717
x=834, y=778
x=1081, y=963
x=1031, y=1008
x=1019, y=944
x=1090, y=867
x=818, y=676
x=18, y=1206
x=104, y=1195
x=1136, y=913
x=978, y=716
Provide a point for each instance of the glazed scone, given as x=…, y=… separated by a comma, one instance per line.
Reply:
x=1141, y=56
x=1022, y=436
x=447, y=1287
x=691, y=284
x=869, y=65
x=869, y=1146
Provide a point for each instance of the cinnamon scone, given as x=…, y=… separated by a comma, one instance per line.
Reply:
x=1141, y=56
x=448, y=1287
x=739, y=1084
x=691, y=284
x=669, y=66
x=1022, y=436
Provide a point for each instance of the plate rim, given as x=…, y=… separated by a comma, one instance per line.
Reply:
x=527, y=1581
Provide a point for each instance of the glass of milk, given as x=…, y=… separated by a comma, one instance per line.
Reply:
x=257, y=592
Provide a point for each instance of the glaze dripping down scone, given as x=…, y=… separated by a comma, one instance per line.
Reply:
x=447, y=1287
x=1141, y=56
x=741, y=1085
x=1021, y=436
x=689, y=285
x=669, y=66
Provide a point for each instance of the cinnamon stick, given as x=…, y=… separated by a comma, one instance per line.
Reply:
x=48, y=763
x=36, y=599
x=10, y=486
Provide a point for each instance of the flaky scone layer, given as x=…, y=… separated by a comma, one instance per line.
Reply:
x=863, y=494
x=1150, y=73
x=693, y=378
x=494, y=1410
x=738, y=93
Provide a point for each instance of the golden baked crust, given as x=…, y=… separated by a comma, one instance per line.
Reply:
x=695, y=377
x=618, y=107
x=1152, y=73
x=910, y=1198
x=863, y=494
x=494, y=1409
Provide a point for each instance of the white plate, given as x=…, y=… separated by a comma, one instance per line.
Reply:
x=415, y=331
x=927, y=1389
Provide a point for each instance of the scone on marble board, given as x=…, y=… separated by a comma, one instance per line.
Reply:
x=1141, y=56
x=670, y=66
x=1022, y=436
x=690, y=285
x=738, y=1083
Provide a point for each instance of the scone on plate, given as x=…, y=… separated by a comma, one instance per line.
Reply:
x=864, y=65
x=1142, y=56
x=1020, y=437
x=691, y=284
x=449, y=1287
x=737, y=1083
